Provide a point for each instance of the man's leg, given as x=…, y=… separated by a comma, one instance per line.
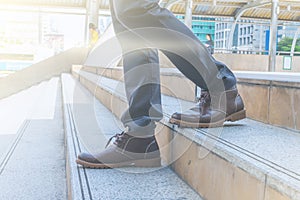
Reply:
x=142, y=81
x=137, y=146
x=190, y=57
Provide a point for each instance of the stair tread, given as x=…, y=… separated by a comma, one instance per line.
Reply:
x=33, y=165
x=93, y=132
x=253, y=146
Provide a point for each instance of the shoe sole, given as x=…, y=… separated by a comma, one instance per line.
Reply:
x=155, y=162
x=233, y=117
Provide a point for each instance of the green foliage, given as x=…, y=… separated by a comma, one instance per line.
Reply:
x=286, y=44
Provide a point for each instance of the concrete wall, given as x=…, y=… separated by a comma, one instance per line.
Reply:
x=272, y=102
x=248, y=62
x=245, y=62
x=41, y=71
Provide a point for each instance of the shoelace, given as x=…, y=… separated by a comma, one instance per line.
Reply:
x=119, y=139
x=203, y=101
x=204, y=98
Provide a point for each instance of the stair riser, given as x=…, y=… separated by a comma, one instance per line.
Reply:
x=212, y=176
x=172, y=85
x=272, y=102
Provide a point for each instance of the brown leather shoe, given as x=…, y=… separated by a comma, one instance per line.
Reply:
x=126, y=151
x=227, y=106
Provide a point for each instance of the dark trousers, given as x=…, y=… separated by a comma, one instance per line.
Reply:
x=142, y=27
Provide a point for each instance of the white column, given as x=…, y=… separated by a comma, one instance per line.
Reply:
x=260, y=39
x=40, y=24
x=295, y=41
x=189, y=13
x=231, y=34
x=273, y=36
x=188, y=19
x=92, y=14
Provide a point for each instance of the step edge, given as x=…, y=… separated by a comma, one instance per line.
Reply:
x=75, y=191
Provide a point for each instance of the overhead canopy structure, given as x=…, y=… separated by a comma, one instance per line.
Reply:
x=273, y=10
x=289, y=10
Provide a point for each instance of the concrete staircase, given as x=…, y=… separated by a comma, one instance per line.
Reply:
x=243, y=160
x=47, y=125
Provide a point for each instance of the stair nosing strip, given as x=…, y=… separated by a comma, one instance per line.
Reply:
x=14, y=145
x=76, y=146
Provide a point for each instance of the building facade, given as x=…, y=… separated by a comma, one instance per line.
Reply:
x=249, y=37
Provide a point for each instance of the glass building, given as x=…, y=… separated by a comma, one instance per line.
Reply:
x=201, y=26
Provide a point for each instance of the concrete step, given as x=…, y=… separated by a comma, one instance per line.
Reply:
x=32, y=162
x=270, y=89
x=88, y=126
x=173, y=83
x=242, y=160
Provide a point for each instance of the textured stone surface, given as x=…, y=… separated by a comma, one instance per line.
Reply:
x=36, y=167
x=272, y=194
x=135, y=184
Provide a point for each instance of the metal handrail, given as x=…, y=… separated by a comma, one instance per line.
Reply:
x=250, y=51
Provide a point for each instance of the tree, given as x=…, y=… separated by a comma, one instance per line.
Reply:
x=286, y=45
